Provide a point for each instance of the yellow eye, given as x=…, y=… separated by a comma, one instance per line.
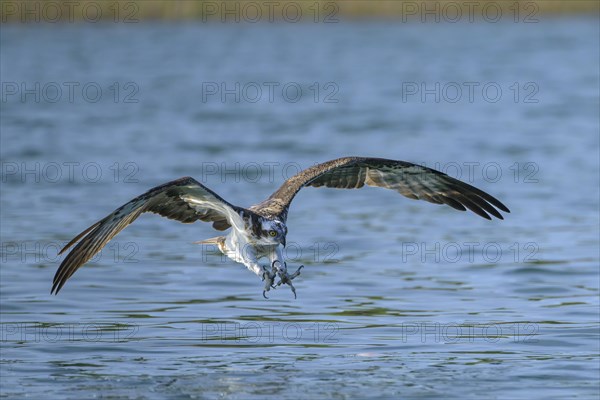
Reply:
x=272, y=233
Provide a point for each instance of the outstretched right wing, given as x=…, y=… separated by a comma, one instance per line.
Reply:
x=185, y=200
x=410, y=180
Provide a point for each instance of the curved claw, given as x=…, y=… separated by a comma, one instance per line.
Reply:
x=268, y=278
x=280, y=268
x=295, y=274
x=284, y=277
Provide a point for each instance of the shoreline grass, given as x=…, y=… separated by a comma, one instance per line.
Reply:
x=253, y=11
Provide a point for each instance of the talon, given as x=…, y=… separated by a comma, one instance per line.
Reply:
x=268, y=278
x=274, y=268
x=285, y=278
x=295, y=274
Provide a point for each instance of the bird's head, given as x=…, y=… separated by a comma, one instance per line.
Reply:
x=273, y=232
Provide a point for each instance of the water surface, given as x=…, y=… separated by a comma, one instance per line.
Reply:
x=398, y=298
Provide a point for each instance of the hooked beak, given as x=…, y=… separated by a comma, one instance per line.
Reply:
x=283, y=241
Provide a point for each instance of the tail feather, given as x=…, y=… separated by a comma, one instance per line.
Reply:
x=215, y=240
x=218, y=241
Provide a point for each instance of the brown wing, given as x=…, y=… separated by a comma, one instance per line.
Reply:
x=184, y=200
x=410, y=180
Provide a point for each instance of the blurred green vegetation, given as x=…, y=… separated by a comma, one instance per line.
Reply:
x=31, y=11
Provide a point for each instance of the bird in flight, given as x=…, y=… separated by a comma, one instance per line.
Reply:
x=260, y=231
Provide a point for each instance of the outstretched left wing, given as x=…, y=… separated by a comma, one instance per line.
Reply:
x=185, y=200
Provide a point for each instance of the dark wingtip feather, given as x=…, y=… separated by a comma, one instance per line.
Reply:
x=491, y=199
x=453, y=203
x=57, y=284
x=481, y=198
x=485, y=216
x=471, y=205
x=497, y=203
x=76, y=238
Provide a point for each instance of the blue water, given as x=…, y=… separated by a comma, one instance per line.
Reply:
x=398, y=298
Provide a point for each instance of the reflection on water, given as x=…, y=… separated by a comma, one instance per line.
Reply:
x=398, y=298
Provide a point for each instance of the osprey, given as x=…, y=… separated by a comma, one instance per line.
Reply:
x=260, y=231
